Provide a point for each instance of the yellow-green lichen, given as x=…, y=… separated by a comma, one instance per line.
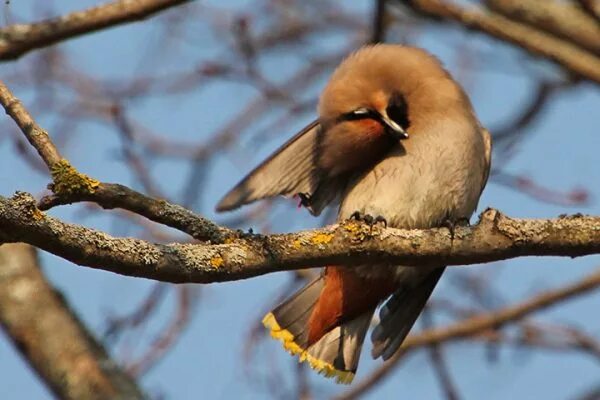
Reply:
x=358, y=232
x=216, y=261
x=322, y=238
x=67, y=180
x=297, y=244
x=352, y=227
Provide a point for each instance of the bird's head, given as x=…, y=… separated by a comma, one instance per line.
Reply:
x=379, y=90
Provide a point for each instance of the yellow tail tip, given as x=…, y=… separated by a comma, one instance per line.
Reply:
x=287, y=339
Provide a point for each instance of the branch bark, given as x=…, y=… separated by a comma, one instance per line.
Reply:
x=578, y=61
x=50, y=337
x=562, y=19
x=36, y=136
x=496, y=237
x=112, y=195
x=16, y=40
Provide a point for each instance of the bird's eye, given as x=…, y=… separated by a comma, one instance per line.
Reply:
x=361, y=112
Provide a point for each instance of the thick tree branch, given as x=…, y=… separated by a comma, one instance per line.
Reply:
x=16, y=40
x=580, y=62
x=496, y=237
x=563, y=19
x=58, y=347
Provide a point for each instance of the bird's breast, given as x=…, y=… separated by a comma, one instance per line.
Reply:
x=431, y=178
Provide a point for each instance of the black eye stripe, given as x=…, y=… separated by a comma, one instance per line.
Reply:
x=397, y=110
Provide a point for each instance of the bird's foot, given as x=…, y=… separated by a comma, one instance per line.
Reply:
x=304, y=200
x=452, y=223
x=369, y=219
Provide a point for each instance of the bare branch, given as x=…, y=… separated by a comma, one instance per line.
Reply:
x=52, y=339
x=112, y=195
x=571, y=57
x=72, y=186
x=592, y=7
x=16, y=40
x=379, y=22
x=35, y=134
x=560, y=18
x=436, y=355
x=167, y=339
x=496, y=237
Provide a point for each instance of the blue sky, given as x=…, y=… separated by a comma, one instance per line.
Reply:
x=559, y=151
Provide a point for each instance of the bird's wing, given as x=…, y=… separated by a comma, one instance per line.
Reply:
x=292, y=169
x=487, y=141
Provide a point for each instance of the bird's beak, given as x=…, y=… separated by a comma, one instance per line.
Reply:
x=393, y=128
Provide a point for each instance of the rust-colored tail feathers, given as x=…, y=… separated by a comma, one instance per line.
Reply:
x=325, y=323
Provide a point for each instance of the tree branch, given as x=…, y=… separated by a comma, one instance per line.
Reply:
x=71, y=186
x=112, y=195
x=580, y=62
x=592, y=7
x=379, y=22
x=496, y=237
x=563, y=19
x=16, y=40
x=51, y=338
x=37, y=136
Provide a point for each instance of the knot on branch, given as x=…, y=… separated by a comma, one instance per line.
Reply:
x=68, y=181
x=25, y=205
x=493, y=220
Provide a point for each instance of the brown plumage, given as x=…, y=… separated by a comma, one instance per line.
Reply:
x=345, y=295
x=397, y=138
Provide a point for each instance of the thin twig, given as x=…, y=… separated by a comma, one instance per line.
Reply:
x=566, y=54
x=16, y=40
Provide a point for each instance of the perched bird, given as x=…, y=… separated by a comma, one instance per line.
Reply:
x=396, y=140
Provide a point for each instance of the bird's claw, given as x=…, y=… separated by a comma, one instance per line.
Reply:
x=304, y=200
x=369, y=219
x=452, y=223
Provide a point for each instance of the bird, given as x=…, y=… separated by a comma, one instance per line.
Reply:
x=396, y=141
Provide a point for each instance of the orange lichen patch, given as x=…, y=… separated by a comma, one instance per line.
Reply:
x=216, y=261
x=297, y=244
x=357, y=231
x=322, y=238
x=352, y=226
x=37, y=214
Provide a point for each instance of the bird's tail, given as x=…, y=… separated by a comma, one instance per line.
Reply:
x=336, y=352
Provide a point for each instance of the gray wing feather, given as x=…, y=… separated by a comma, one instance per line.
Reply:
x=290, y=170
